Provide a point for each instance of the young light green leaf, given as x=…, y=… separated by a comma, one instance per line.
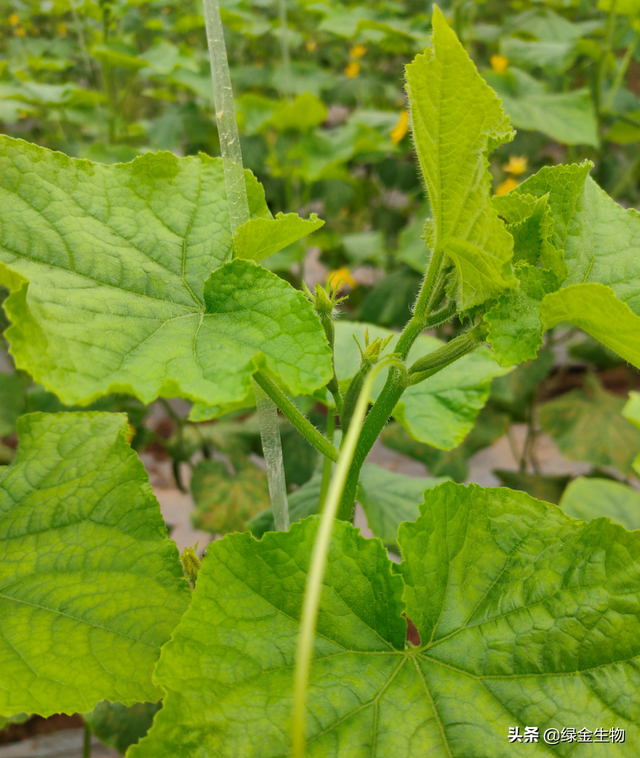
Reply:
x=596, y=310
x=90, y=585
x=259, y=238
x=515, y=329
x=110, y=271
x=588, y=425
x=587, y=499
x=457, y=120
x=536, y=634
x=388, y=499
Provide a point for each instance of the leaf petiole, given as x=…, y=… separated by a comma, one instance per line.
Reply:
x=297, y=419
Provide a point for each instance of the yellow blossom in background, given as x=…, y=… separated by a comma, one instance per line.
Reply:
x=340, y=278
x=62, y=30
x=14, y=20
x=507, y=185
x=401, y=128
x=352, y=70
x=357, y=51
x=517, y=165
x=499, y=63
x=20, y=31
x=311, y=45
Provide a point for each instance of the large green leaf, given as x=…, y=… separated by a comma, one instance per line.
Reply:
x=110, y=269
x=588, y=425
x=526, y=617
x=440, y=411
x=587, y=499
x=90, y=585
x=457, y=120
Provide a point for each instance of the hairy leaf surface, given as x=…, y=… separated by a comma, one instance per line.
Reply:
x=457, y=120
x=121, y=281
x=90, y=585
x=526, y=617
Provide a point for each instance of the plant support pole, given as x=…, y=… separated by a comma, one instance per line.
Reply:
x=238, y=205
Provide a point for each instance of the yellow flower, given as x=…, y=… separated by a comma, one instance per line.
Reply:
x=352, y=70
x=340, y=278
x=20, y=31
x=499, y=63
x=507, y=185
x=311, y=45
x=62, y=30
x=401, y=128
x=357, y=51
x=517, y=165
x=14, y=20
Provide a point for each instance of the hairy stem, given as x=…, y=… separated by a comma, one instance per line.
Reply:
x=297, y=419
x=318, y=566
x=238, y=206
x=86, y=741
x=397, y=382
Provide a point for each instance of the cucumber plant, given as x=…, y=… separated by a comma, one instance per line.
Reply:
x=134, y=279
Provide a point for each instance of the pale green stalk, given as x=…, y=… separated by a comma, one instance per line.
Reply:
x=238, y=206
x=319, y=563
x=622, y=70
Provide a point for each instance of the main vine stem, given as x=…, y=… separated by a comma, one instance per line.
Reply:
x=238, y=205
x=398, y=379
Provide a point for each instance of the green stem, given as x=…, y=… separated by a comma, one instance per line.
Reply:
x=297, y=419
x=610, y=27
x=425, y=367
x=397, y=382
x=238, y=206
x=431, y=287
x=326, y=463
x=372, y=428
x=620, y=73
x=318, y=566
x=86, y=742
x=353, y=394
x=230, y=148
x=272, y=452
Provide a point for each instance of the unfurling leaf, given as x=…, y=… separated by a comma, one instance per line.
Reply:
x=457, y=120
x=259, y=238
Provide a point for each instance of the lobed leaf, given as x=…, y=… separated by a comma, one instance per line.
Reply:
x=121, y=282
x=457, y=120
x=526, y=617
x=90, y=585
